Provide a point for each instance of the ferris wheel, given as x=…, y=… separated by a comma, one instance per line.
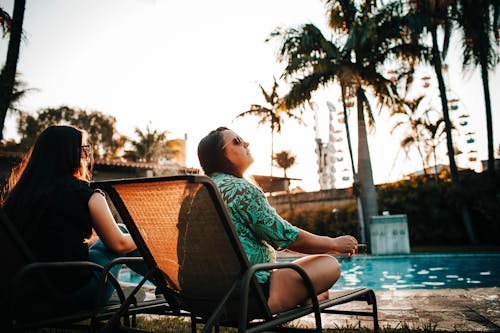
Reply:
x=464, y=136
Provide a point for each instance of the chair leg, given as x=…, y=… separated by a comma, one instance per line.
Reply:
x=373, y=301
x=193, y=324
x=213, y=320
x=134, y=320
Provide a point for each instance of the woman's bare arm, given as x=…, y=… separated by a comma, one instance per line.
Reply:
x=310, y=243
x=106, y=227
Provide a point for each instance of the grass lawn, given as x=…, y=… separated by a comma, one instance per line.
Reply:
x=181, y=325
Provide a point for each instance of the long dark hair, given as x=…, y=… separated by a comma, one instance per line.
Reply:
x=211, y=154
x=55, y=156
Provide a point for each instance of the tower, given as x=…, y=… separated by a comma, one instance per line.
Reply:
x=330, y=154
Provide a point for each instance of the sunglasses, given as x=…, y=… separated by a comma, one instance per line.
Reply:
x=87, y=150
x=237, y=141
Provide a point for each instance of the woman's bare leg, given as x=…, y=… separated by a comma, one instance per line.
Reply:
x=287, y=289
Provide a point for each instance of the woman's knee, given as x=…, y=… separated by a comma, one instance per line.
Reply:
x=287, y=288
x=334, y=266
x=331, y=267
x=323, y=262
x=323, y=270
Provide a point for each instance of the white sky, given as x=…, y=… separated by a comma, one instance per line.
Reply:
x=189, y=66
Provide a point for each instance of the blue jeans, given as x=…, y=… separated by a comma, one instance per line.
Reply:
x=100, y=254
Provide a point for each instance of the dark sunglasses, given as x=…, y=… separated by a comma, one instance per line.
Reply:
x=237, y=141
x=87, y=149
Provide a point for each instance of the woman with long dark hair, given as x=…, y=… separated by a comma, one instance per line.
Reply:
x=49, y=200
x=224, y=156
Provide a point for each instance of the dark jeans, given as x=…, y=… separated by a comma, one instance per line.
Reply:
x=100, y=254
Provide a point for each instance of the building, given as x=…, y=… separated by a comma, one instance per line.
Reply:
x=272, y=184
x=106, y=169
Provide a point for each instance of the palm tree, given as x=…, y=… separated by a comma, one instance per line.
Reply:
x=478, y=20
x=434, y=134
x=314, y=62
x=8, y=74
x=19, y=91
x=284, y=160
x=149, y=145
x=422, y=132
x=425, y=17
x=409, y=116
x=273, y=114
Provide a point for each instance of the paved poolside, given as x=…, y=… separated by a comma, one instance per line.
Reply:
x=441, y=310
x=450, y=310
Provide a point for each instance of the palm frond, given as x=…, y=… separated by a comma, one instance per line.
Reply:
x=341, y=14
x=5, y=22
x=256, y=110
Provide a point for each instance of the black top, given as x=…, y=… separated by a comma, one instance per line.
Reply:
x=63, y=223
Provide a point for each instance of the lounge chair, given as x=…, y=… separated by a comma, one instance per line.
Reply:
x=29, y=299
x=185, y=234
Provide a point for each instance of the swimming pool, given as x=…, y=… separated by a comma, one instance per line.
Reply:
x=420, y=271
x=413, y=271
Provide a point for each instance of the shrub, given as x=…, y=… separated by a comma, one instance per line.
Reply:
x=433, y=207
x=325, y=221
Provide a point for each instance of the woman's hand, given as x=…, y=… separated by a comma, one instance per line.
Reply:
x=91, y=240
x=310, y=243
x=346, y=244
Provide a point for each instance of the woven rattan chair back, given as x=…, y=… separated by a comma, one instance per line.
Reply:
x=181, y=227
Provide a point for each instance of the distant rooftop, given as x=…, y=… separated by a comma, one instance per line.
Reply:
x=271, y=184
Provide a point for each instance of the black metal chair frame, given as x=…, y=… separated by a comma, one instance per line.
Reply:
x=96, y=315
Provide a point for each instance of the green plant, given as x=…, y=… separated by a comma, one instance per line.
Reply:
x=434, y=206
x=340, y=220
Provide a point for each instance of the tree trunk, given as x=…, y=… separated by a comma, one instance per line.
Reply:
x=8, y=75
x=436, y=176
x=368, y=193
x=272, y=148
x=289, y=195
x=444, y=104
x=361, y=221
x=489, y=124
x=448, y=126
x=419, y=148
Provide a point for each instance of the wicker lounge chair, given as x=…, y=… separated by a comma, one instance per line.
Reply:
x=181, y=227
x=29, y=299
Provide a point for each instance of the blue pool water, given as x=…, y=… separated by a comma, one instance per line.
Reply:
x=414, y=271
x=420, y=271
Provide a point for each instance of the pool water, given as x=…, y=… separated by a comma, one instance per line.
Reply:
x=420, y=271
x=414, y=271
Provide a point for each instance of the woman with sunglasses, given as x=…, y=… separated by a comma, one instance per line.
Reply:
x=225, y=157
x=49, y=200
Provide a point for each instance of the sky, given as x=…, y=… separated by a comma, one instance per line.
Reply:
x=189, y=66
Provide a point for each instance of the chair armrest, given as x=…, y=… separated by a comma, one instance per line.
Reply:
x=44, y=267
x=107, y=268
x=280, y=265
x=249, y=274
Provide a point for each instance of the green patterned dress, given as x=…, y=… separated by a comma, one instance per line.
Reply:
x=260, y=229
